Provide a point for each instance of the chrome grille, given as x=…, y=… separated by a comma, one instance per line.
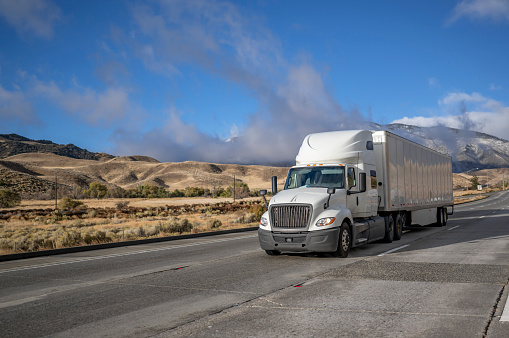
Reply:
x=290, y=216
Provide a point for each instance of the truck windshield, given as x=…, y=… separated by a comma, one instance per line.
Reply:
x=323, y=177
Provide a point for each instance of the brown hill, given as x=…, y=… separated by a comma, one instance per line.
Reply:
x=13, y=144
x=129, y=171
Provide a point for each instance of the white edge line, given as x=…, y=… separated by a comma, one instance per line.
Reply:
x=457, y=226
x=390, y=251
x=505, y=313
x=121, y=254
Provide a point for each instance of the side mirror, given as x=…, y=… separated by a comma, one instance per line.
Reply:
x=263, y=193
x=362, y=182
x=330, y=191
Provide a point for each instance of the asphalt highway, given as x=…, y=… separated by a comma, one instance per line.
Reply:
x=436, y=281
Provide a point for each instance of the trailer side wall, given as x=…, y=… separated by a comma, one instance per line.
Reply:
x=413, y=177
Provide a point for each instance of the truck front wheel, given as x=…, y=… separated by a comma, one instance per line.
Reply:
x=398, y=227
x=273, y=252
x=389, y=229
x=344, y=242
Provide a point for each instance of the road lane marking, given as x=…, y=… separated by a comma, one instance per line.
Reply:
x=457, y=226
x=390, y=251
x=123, y=254
x=505, y=313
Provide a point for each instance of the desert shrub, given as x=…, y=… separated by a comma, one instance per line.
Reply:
x=96, y=190
x=122, y=204
x=9, y=199
x=258, y=211
x=67, y=203
x=215, y=223
x=176, y=225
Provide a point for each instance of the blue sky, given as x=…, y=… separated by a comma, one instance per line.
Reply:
x=176, y=79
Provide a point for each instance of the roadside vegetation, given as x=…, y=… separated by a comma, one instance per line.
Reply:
x=74, y=224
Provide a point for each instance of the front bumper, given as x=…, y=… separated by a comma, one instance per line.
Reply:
x=317, y=241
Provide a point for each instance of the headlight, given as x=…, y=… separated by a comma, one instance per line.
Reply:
x=325, y=221
x=264, y=222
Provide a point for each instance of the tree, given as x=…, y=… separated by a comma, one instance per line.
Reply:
x=9, y=199
x=96, y=190
x=474, y=182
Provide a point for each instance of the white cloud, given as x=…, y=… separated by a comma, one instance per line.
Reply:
x=37, y=17
x=293, y=98
x=433, y=82
x=14, y=106
x=496, y=10
x=476, y=112
x=110, y=107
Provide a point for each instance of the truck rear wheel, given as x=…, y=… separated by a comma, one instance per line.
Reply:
x=273, y=252
x=344, y=241
x=440, y=217
x=444, y=217
x=398, y=227
x=389, y=229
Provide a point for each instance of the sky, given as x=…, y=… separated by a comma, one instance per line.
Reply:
x=179, y=79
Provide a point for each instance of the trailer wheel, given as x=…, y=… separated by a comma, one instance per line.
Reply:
x=444, y=217
x=398, y=227
x=273, y=252
x=344, y=241
x=440, y=218
x=389, y=229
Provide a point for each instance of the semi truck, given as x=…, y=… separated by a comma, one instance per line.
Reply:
x=349, y=188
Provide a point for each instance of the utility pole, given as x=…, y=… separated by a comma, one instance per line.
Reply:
x=56, y=192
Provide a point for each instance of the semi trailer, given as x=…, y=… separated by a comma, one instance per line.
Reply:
x=349, y=188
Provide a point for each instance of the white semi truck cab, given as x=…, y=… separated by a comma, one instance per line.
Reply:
x=349, y=188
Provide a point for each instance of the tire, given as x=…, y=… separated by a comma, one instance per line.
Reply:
x=273, y=252
x=444, y=217
x=440, y=214
x=398, y=227
x=344, y=241
x=389, y=229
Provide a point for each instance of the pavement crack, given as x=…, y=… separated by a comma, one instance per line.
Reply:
x=494, y=310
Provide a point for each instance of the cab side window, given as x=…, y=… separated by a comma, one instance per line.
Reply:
x=351, y=178
x=372, y=174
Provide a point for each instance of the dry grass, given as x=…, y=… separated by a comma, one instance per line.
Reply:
x=23, y=232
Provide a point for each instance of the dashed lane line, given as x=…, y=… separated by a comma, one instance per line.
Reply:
x=392, y=250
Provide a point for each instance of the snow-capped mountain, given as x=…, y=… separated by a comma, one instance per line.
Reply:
x=468, y=149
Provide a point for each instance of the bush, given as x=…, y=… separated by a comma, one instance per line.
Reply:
x=148, y=190
x=9, y=199
x=96, y=190
x=215, y=223
x=258, y=211
x=67, y=203
x=122, y=204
